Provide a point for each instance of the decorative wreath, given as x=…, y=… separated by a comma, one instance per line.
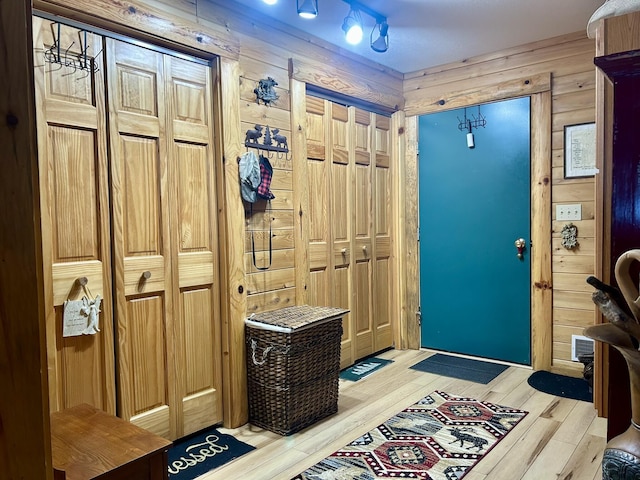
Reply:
x=569, y=236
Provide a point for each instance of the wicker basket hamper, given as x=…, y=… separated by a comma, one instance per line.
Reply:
x=293, y=364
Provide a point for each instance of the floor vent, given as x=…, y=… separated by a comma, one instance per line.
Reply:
x=580, y=345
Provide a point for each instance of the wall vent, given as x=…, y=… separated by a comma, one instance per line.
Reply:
x=580, y=345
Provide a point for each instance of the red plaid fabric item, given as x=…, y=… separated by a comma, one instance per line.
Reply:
x=266, y=173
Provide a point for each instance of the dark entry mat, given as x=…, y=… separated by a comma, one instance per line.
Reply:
x=462, y=368
x=561, y=385
x=202, y=452
x=363, y=368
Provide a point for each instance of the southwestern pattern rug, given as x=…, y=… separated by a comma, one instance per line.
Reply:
x=439, y=438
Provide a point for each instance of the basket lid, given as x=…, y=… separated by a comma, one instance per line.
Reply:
x=298, y=316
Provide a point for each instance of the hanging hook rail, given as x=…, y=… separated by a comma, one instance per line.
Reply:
x=467, y=124
x=81, y=61
x=270, y=143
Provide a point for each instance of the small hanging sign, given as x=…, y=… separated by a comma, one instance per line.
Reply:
x=80, y=317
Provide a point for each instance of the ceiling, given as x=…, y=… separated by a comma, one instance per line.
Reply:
x=426, y=33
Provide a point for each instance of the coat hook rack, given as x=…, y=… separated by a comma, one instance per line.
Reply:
x=77, y=62
x=474, y=122
x=271, y=142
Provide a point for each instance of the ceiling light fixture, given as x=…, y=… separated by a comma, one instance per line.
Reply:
x=352, y=26
x=380, y=44
x=270, y=2
x=307, y=8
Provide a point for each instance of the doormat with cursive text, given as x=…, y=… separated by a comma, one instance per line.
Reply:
x=201, y=452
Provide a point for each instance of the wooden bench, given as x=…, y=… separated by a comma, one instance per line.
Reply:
x=87, y=443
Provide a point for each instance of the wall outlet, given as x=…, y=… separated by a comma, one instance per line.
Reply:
x=569, y=212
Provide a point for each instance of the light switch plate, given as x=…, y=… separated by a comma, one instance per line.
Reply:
x=569, y=212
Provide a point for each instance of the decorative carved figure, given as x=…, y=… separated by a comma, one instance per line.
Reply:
x=265, y=91
x=253, y=135
x=621, y=307
x=281, y=140
x=569, y=236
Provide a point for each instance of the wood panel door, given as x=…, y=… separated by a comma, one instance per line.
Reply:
x=141, y=241
x=362, y=231
x=382, y=230
x=198, y=348
x=165, y=259
x=72, y=152
x=348, y=164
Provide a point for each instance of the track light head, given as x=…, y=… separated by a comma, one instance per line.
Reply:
x=307, y=8
x=380, y=44
x=352, y=27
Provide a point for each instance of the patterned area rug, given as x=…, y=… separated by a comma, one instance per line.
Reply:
x=439, y=438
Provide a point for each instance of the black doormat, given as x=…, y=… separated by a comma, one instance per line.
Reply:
x=363, y=368
x=561, y=385
x=462, y=368
x=201, y=452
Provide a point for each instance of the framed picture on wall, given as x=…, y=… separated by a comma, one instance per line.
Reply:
x=580, y=150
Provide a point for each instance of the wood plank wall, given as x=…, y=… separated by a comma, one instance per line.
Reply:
x=569, y=60
x=248, y=49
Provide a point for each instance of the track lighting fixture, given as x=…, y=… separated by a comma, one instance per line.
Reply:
x=308, y=8
x=352, y=26
x=380, y=44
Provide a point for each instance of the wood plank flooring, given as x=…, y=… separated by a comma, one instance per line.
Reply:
x=560, y=439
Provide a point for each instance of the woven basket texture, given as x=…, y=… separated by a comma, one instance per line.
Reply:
x=298, y=316
x=293, y=377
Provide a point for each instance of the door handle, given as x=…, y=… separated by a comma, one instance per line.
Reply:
x=520, y=245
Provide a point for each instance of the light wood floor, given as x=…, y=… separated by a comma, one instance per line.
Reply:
x=560, y=439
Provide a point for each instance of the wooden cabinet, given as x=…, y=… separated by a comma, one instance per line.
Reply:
x=89, y=443
x=617, y=189
x=623, y=69
x=349, y=180
x=127, y=167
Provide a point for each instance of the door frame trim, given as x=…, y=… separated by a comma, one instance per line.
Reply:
x=541, y=276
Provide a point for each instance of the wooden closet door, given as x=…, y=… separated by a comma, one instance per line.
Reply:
x=198, y=355
x=72, y=153
x=329, y=213
x=320, y=261
x=382, y=225
x=141, y=239
x=349, y=175
x=363, y=246
x=341, y=213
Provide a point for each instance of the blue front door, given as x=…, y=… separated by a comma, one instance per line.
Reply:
x=474, y=204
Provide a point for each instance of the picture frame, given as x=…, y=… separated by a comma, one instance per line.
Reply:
x=580, y=150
